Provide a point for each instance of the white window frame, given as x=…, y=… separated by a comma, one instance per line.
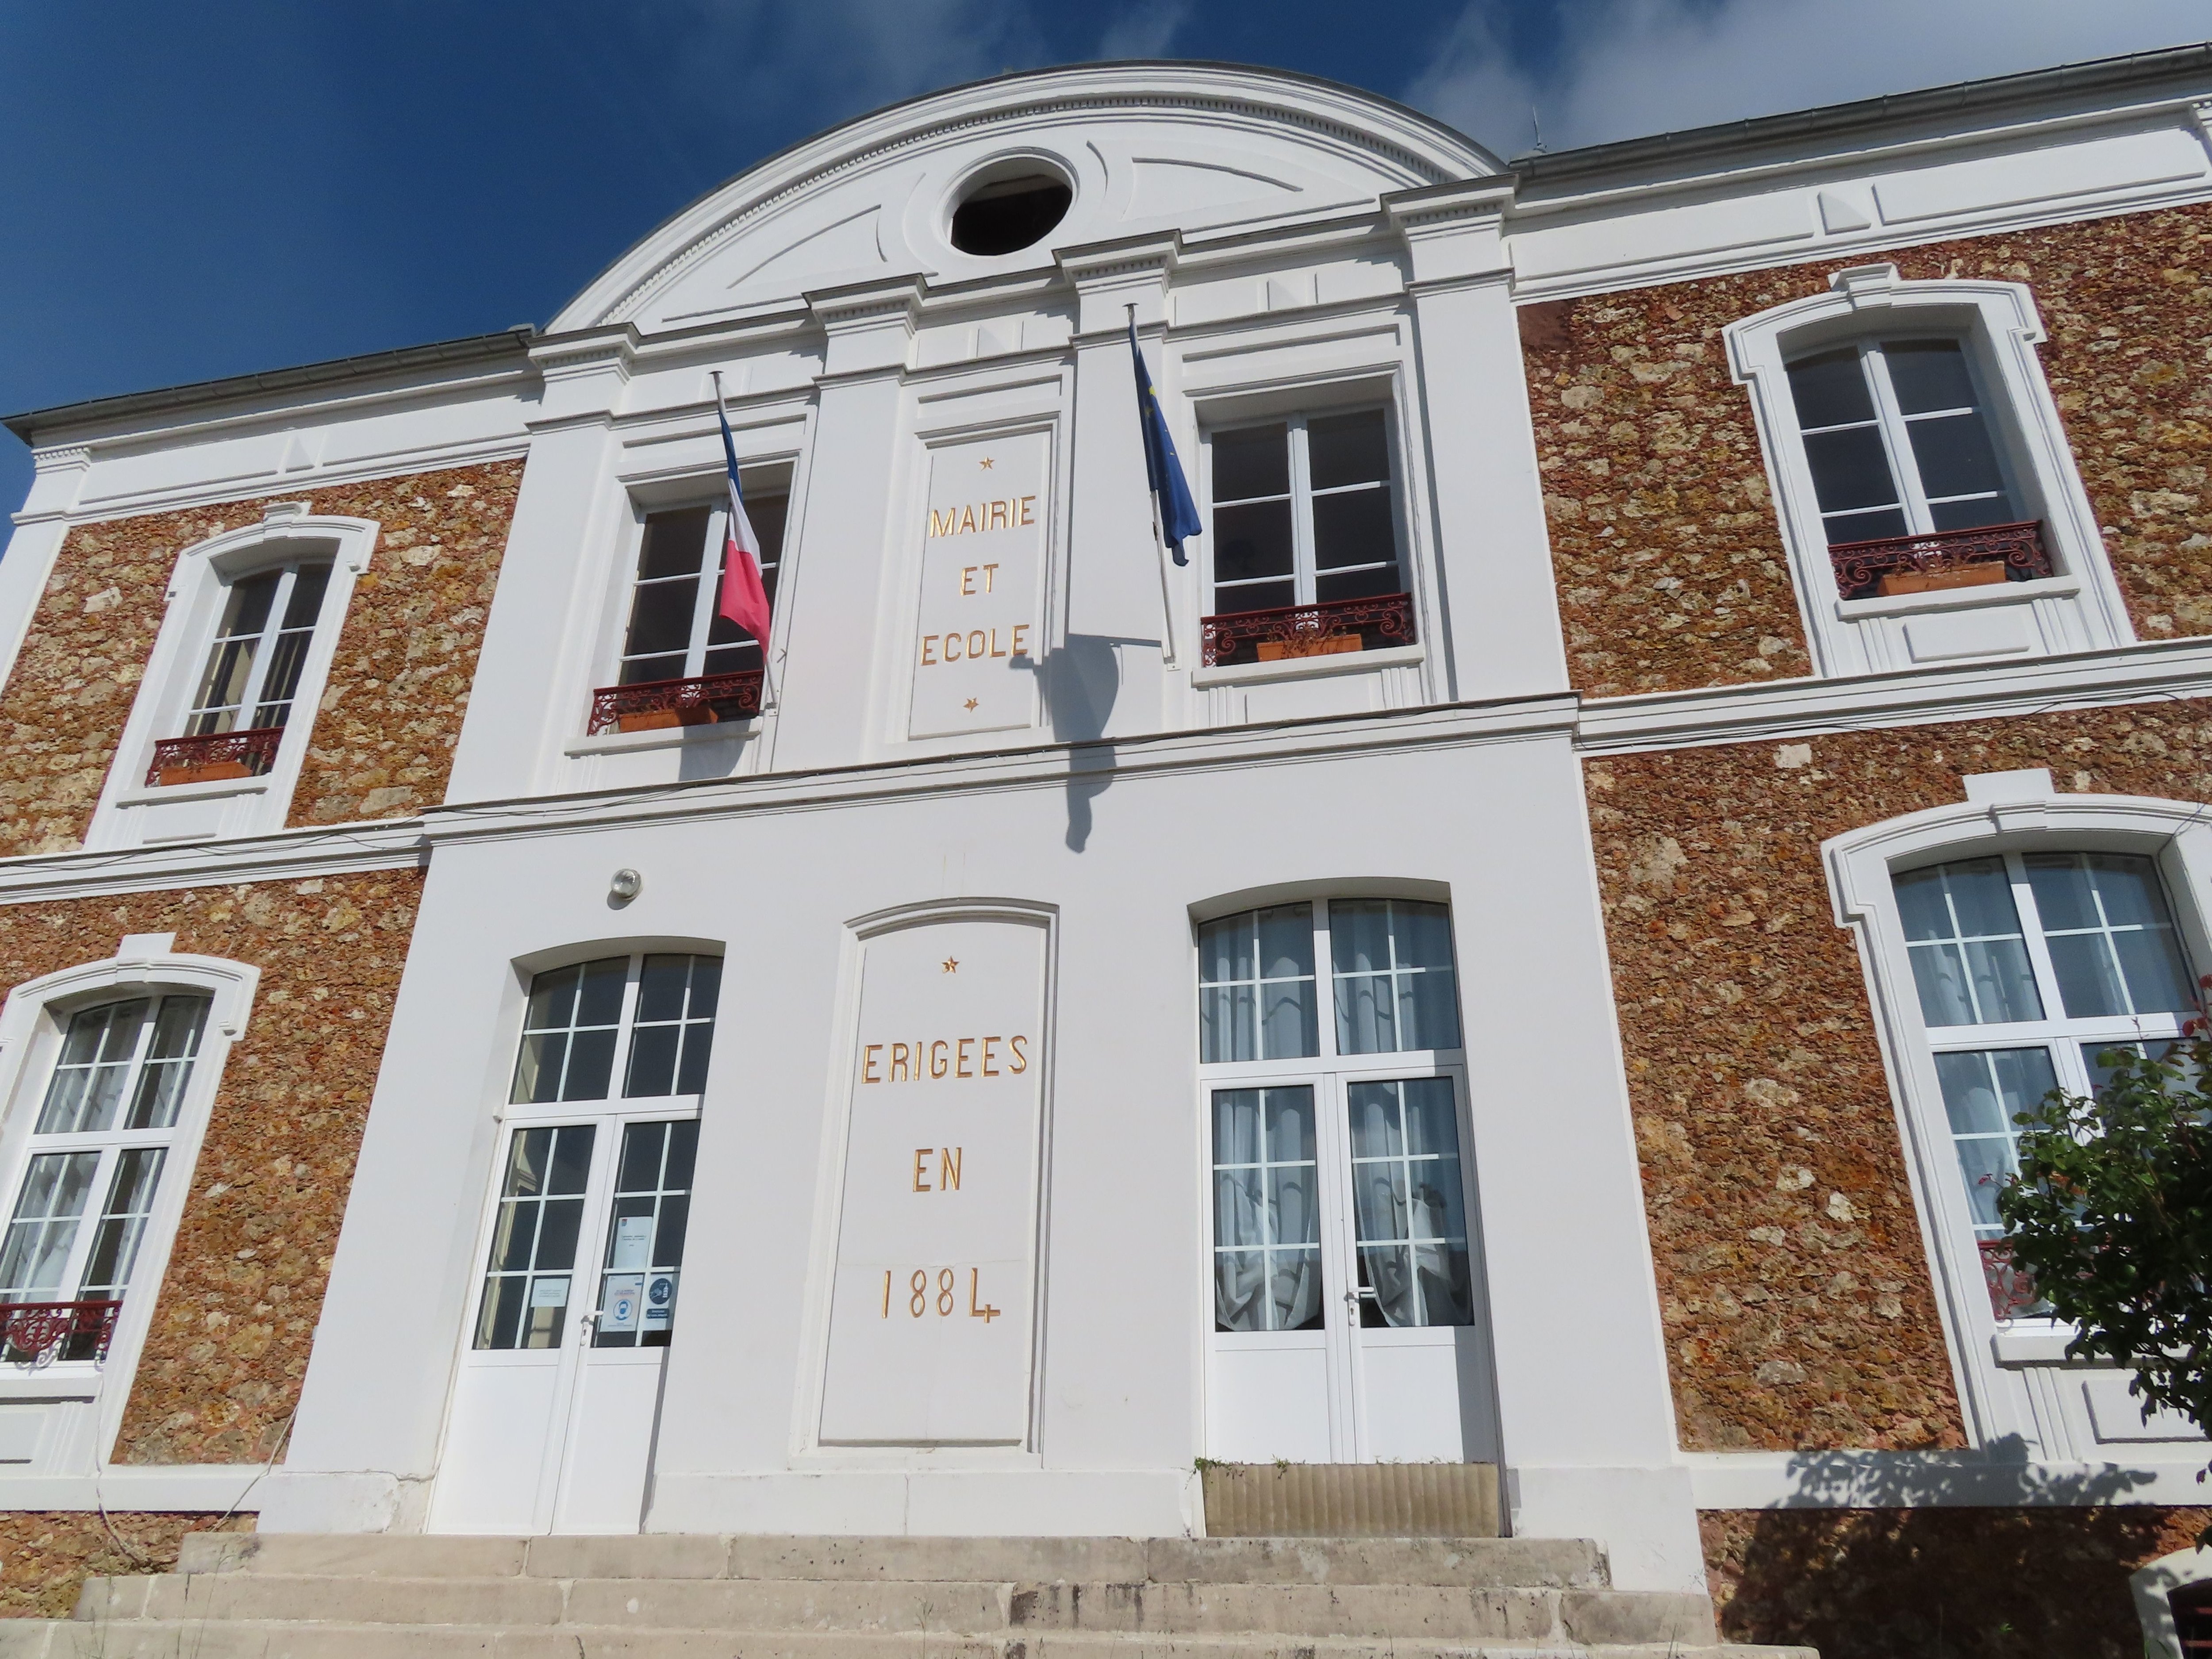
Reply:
x=2078, y=609
x=705, y=601
x=131, y=813
x=1987, y=1357
x=33, y=1022
x=1303, y=575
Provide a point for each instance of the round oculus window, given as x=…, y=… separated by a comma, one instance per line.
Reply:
x=1006, y=215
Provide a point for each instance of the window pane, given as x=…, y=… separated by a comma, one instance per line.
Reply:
x=1346, y=449
x=176, y=1041
x=89, y=1078
x=1353, y=528
x=310, y=582
x=55, y=1187
x=1253, y=460
x=1954, y=455
x=1257, y=995
x=644, y=670
x=675, y=1025
x=568, y=1035
x=1983, y=1091
x=2088, y=979
x=533, y=1249
x=1972, y=514
x=1333, y=587
x=1928, y=375
x=1984, y=976
x=1409, y=1205
x=653, y=1060
x=122, y=1222
x=1850, y=469
x=674, y=542
x=1395, y=987
x=1830, y=389
x=1864, y=526
x=1266, y=1215
x=1252, y=541
x=660, y=618
x=2112, y=938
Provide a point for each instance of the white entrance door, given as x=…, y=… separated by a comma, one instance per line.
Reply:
x=1346, y=1273
x=557, y=1395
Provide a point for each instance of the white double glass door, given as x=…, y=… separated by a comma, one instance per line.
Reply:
x=556, y=1405
x=1344, y=1274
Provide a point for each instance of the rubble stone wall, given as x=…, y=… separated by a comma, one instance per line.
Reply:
x=1793, y=1287
x=46, y=1556
x=1665, y=544
x=228, y=1350
x=390, y=711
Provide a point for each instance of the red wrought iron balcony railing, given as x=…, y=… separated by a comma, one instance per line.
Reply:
x=247, y=754
x=32, y=1333
x=653, y=703
x=2012, y=1288
x=1942, y=558
x=1307, y=630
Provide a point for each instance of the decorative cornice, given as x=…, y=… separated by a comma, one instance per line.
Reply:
x=285, y=855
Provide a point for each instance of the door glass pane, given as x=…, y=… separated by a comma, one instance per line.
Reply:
x=1396, y=988
x=2112, y=938
x=168, y=1067
x=674, y=1027
x=1963, y=933
x=1256, y=996
x=1409, y=1205
x=528, y=1280
x=44, y=1224
x=1983, y=1090
x=1266, y=1225
x=644, y=1256
x=569, y=1032
x=96, y=1063
x=122, y=1222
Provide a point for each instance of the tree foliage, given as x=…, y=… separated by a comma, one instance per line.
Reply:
x=2111, y=1215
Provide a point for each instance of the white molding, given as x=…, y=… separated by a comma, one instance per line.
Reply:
x=2000, y=329
x=141, y=1488
x=1958, y=599
x=2154, y=672
x=1932, y=1480
x=198, y=583
x=1306, y=668
x=286, y=855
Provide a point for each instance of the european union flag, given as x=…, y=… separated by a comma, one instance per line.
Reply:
x=1178, y=514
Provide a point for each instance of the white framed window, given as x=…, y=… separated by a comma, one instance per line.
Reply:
x=107, y=1072
x=1305, y=512
x=220, y=728
x=2012, y=940
x=1898, y=437
x=673, y=632
x=1344, y=1271
x=1928, y=497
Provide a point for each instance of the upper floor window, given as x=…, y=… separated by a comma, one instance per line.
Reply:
x=1306, y=519
x=95, y=1161
x=260, y=646
x=2028, y=966
x=1927, y=494
x=1898, y=441
x=674, y=636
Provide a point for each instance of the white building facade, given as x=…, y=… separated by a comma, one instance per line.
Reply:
x=1056, y=1018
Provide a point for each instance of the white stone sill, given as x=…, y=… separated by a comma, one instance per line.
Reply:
x=665, y=737
x=2041, y=1343
x=1307, y=668
x=64, y=1380
x=1959, y=598
x=146, y=794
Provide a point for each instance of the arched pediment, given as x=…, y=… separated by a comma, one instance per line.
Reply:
x=1145, y=148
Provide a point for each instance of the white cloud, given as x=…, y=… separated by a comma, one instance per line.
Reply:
x=1144, y=31
x=1630, y=67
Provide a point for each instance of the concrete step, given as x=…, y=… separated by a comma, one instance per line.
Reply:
x=256, y=1639
x=1499, y=1563
x=1418, y=1612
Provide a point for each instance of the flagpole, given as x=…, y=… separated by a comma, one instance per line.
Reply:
x=1159, y=554
x=768, y=680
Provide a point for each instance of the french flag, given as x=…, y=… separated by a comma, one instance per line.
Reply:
x=743, y=599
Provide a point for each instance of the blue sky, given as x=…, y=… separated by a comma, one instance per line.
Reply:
x=197, y=190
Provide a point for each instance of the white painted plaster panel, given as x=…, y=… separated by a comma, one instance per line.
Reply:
x=2050, y=173
x=1768, y=221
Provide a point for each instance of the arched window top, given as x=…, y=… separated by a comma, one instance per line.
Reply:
x=654, y=1012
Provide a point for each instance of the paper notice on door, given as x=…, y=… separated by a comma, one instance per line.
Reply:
x=633, y=1244
x=550, y=1292
x=622, y=1298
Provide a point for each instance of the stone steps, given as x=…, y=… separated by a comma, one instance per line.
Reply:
x=289, y=1596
